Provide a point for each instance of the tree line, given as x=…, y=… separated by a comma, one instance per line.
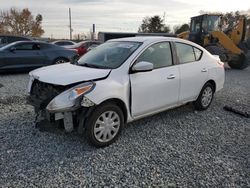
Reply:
x=155, y=24
x=20, y=22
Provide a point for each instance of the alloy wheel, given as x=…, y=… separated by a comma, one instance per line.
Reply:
x=207, y=96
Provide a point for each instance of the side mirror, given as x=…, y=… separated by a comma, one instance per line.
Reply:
x=142, y=66
x=12, y=49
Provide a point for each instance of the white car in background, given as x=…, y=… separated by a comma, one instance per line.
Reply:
x=123, y=80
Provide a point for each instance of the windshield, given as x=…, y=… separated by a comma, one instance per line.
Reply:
x=109, y=55
x=213, y=23
x=77, y=45
x=7, y=46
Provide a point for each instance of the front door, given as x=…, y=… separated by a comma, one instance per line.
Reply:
x=25, y=55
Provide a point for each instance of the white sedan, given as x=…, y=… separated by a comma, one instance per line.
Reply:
x=123, y=80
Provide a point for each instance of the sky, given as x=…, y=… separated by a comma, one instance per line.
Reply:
x=116, y=15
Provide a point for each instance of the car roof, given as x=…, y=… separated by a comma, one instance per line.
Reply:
x=151, y=39
x=146, y=38
x=63, y=41
x=32, y=42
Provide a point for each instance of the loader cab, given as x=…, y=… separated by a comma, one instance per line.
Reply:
x=203, y=25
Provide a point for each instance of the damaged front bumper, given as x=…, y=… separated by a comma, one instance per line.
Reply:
x=55, y=105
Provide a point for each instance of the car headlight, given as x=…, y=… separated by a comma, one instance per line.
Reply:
x=70, y=98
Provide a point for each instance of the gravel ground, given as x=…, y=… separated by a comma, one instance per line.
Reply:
x=177, y=148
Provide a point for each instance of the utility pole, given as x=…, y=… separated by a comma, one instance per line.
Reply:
x=70, y=29
x=164, y=17
x=93, y=32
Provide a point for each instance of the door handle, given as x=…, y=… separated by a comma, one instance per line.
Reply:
x=171, y=76
x=204, y=70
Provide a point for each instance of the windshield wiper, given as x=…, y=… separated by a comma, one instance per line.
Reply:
x=94, y=66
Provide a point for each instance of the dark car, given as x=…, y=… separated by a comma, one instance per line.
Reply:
x=82, y=47
x=92, y=46
x=31, y=54
x=63, y=42
x=7, y=39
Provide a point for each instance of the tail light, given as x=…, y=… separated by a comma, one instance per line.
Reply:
x=221, y=64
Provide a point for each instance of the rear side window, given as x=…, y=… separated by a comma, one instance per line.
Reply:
x=187, y=53
x=59, y=43
x=46, y=46
x=67, y=43
x=197, y=53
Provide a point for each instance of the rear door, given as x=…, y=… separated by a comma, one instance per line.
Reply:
x=159, y=88
x=193, y=71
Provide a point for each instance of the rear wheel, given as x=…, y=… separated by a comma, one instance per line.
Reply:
x=205, y=97
x=104, y=125
x=60, y=60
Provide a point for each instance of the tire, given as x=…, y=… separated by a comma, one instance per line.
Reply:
x=215, y=50
x=205, y=97
x=100, y=132
x=248, y=43
x=60, y=60
x=244, y=62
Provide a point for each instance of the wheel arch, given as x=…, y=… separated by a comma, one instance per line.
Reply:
x=120, y=104
x=60, y=57
x=213, y=84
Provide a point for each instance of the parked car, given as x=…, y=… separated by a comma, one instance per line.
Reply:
x=32, y=54
x=124, y=80
x=7, y=39
x=63, y=42
x=82, y=47
x=92, y=47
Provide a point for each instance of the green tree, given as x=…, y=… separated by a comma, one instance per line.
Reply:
x=179, y=29
x=21, y=22
x=153, y=24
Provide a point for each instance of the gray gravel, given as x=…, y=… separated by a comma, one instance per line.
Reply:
x=177, y=148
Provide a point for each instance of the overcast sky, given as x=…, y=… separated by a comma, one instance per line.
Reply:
x=116, y=15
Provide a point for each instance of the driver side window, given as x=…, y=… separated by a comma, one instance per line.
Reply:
x=158, y=54
x=28, y=46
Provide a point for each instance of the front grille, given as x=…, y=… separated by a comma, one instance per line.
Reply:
x=42, y=93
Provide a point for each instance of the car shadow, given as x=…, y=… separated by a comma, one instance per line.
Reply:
x=17, y=71
x=163, y=117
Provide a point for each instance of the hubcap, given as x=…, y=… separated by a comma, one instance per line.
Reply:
x=60, y=61
x=206, y=97
x=107, y=126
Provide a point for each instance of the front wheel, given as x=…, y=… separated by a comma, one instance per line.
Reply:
x=104, y=125
x=242, y=63
x=205, y=97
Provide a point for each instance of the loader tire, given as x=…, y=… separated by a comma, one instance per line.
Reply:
x=243, y=62
x=244, y=59
x=216, y=50
x=248, y=43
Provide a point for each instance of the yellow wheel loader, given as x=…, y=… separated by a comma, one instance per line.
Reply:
x=208, y=31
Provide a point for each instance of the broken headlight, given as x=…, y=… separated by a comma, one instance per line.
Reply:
x=70, y=98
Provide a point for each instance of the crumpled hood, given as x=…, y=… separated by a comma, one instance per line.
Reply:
x=66, y=73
